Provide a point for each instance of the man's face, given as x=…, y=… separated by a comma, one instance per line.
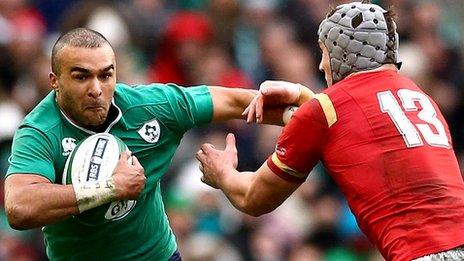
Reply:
x=324, y=66
x=85, y=84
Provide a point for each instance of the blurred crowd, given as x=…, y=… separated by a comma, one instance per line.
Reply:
x=236, y=43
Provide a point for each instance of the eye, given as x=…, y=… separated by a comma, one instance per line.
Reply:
x=106, y=76
x=80, y=77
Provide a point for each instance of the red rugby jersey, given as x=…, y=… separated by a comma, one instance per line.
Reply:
x=388, y=147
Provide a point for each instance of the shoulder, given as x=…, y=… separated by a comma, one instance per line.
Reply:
x=154, y=93
x=45, y=116
x=32, y=141
x=319, y=110
x=30, y=134
x=326, y=108
x=161, y=89
x=178, y=107
x=129, y=96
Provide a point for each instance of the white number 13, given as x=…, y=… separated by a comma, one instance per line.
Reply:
x=388, y=104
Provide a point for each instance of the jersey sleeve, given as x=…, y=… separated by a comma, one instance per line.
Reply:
x=191, y=106
x=31, y=153
x=301, y=143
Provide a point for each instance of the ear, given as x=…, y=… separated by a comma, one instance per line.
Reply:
x=53, y=81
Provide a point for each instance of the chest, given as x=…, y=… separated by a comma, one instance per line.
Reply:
x=150, y=141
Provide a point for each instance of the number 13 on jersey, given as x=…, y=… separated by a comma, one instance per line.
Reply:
x=410, y=131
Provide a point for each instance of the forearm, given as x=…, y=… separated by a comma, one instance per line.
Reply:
x=229, y=103
x=40, y=204
x=236, y=187
x=254, y=193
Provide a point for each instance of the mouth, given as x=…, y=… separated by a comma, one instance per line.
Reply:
x=95, y=107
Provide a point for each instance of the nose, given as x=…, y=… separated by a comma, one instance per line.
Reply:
x=95, y=89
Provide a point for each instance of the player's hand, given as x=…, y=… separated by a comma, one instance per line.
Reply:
x=217, y=164
x=276, y=93
x=128, y=177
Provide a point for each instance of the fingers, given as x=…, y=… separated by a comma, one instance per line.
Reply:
x=135, y=161
x=197, y=155
x=280, y=92
x=254, y=110
x=251, y=111
x=208, y=182
x=125, y=155
x=245, y=112
x=200, y=155
x=230, y=143
x=259, y=108
x=266, y=87
x=206, y=147
x=269, y=88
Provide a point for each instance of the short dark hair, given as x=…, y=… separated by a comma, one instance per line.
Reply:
x=78, y=37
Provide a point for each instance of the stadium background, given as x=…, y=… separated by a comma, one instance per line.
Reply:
x=235, y=43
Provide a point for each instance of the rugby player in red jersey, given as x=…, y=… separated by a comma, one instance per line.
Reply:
x=382, y=139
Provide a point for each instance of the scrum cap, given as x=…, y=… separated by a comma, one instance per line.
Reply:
x=358, y=38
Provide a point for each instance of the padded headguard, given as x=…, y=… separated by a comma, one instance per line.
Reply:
x=358, y=39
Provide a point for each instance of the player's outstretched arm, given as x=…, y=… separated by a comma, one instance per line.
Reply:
x=230, y=103
x=254, y=193
x=33, y=201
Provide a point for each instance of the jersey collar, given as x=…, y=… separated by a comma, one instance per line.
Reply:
x=385, y=67
x=116, y=119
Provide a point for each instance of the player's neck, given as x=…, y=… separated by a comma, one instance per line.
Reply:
x=385, y=67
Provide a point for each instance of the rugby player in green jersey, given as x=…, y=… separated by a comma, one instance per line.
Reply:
x=150, y=119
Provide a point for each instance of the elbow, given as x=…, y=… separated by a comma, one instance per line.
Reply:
x=19, y=217
x=256, y=210
x=256, y=213
x=256, y=205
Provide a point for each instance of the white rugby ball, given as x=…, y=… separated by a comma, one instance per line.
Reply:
x=94, y=159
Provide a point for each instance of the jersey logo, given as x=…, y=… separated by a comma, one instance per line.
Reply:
x=280, y=150
x=119, y=209
x=68, y=145
x=150, y=131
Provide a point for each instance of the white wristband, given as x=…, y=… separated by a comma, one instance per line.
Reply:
x=288, y=112
x=93, y=194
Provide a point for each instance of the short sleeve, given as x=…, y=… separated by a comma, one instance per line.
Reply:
x=31, y=153
x=191, y=106
x=301, y=143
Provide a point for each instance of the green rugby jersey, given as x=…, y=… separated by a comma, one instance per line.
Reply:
x=151, y=120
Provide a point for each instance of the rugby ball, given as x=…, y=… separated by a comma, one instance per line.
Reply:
x=94, y=159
